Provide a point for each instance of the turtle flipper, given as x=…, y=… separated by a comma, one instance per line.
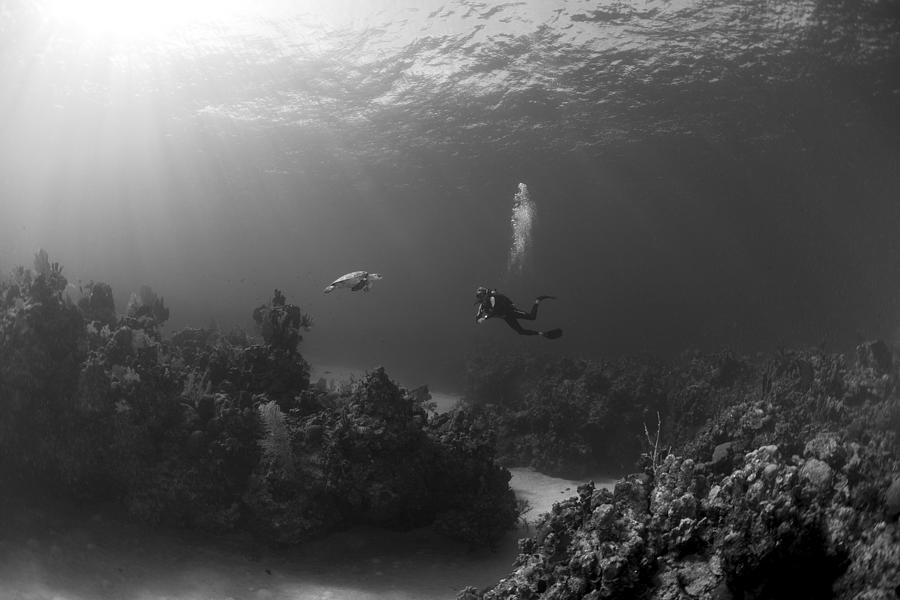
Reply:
x=359, y=286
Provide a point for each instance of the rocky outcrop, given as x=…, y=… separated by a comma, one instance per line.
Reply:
x=788, y=490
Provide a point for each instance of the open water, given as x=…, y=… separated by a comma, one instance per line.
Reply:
x=700, y=173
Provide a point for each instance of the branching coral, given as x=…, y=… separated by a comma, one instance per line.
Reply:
x=280, y=323
x=97, y=304
x=276, y=442
x=148, y=306
x=41, y=346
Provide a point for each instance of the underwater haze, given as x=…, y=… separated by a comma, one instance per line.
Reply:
x=699, y=173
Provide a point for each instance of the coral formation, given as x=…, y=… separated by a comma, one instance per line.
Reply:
x=209, y=430
x=566, y=417
x=377, y=459
x=781, y=483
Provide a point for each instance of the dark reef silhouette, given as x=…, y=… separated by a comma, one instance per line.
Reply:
x=208, y=430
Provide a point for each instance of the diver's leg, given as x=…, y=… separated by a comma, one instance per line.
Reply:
x=512, y=322
x=531, y=316
x=518, y=313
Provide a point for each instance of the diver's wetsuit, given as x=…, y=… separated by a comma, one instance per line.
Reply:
x=495, y=304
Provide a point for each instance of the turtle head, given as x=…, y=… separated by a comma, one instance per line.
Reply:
x=375, y=276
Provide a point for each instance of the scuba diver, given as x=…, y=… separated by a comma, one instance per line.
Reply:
x=491, y=303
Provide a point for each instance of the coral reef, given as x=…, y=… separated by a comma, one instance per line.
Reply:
x=767, y=477
x=42, y=346
x=566, y=417
x=782, y=482
x=280, y=323
x=209, y=430
x=377, y=459
x=97, y=305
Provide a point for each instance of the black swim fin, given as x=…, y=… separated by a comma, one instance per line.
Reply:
x=552, y=334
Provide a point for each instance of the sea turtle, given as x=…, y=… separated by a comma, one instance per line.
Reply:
x=357, y=280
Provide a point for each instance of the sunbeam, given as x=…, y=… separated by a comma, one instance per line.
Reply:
x=142, y=18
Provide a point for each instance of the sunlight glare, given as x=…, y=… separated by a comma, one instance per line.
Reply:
x=142, y=18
